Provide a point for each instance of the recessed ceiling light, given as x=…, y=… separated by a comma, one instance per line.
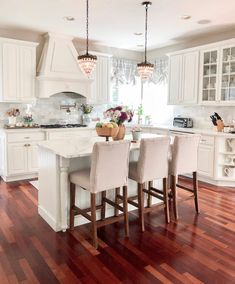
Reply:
x=69, y=18
x=138, y=34
x=185, y=17
x=204, y=22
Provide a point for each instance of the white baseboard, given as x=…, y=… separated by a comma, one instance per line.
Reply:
x=49, y=219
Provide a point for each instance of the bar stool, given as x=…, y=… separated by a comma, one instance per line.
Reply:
x=184, y=160
x=152, y=164
x=109, y=170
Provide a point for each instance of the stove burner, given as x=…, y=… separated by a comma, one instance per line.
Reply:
x=62, y=125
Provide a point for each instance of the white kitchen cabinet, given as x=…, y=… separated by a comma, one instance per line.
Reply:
x=175, y=80
x=32, y=154
x=19, y=153
x=217, y=75
x=183, y=78
x=18, y=70
x=206, y=156
x=209, y=76
x=17, y=158
x=100, y=88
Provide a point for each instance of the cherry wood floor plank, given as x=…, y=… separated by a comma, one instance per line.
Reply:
x=195, y=249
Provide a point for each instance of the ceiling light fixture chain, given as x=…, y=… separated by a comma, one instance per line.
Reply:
x=87, y=24
x=87, y=62
x=145, y=69
x=146, y=32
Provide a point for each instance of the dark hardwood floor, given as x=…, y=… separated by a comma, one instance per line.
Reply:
x=196, y=249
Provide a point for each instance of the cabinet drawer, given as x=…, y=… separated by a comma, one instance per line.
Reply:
x=207, y=140
x=25, y=136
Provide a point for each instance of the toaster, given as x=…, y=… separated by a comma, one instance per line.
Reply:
x=184, y=122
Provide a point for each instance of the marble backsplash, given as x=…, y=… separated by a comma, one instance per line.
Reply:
x=201, y=114
x=48, y=111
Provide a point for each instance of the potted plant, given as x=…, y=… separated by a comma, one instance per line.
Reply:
x=28, y=120
x=86, y=110
x=119, y=115
x=136, y=133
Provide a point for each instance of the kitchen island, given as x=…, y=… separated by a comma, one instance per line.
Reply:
x=57, y=159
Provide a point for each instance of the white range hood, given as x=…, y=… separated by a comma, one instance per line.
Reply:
x=58, y=70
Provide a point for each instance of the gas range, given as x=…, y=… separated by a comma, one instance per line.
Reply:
x=62, y=125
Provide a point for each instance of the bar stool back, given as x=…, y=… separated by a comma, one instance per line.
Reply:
x=152, y=164
x=109, y=170
x=184, y=160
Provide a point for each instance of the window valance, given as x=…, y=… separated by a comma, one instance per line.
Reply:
x=124, y=71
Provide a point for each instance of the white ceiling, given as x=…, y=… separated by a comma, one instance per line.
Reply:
x=113, y=22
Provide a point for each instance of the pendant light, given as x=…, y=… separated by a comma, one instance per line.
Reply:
x=145, y=69
x=87, y=62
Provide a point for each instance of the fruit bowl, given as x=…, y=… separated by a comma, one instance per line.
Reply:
x=107, y=129
x=107, y=132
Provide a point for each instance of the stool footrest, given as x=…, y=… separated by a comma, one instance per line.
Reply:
x=156, y=190
x=132, y=203
x=156, y=195
x=109, y=220
x=110, y=202
x=185, y=188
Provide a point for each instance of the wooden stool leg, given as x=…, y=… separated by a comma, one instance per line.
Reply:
x=72, y=203
x=141, y=205
x=195, y=188
x=93, y=220
x=174, y=193
x=125, y=211
x=166, y=201
x=117, y=191
x=149, y=201
x=103, y=204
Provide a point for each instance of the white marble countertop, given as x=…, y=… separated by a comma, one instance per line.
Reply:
x=203, y=131
x=81, y=147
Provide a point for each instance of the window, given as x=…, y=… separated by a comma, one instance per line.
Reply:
x=154, y=100
x=155, y=103
x=127, y=94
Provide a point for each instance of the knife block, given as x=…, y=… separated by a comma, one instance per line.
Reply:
x=220, y=125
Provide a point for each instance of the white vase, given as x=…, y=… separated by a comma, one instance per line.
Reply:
x=136, y=135
x=12, y=120
x=86, y=119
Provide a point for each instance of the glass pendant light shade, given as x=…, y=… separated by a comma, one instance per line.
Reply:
x=145, y=69
x=87, y=62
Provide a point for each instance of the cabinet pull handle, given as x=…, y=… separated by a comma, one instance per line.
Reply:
x=26, y=145
x=203, y=140
x=27, y=137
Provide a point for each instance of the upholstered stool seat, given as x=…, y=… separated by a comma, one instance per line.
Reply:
x=109, y=170
x=152, y=164
x=82, y=178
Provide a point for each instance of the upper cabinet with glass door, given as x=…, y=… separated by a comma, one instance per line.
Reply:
x=227, y=81
x=209, y=76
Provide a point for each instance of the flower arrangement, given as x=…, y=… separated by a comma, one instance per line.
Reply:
x=86, y=108
x=28, y=120
x=119, y=114
x=13, y=112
